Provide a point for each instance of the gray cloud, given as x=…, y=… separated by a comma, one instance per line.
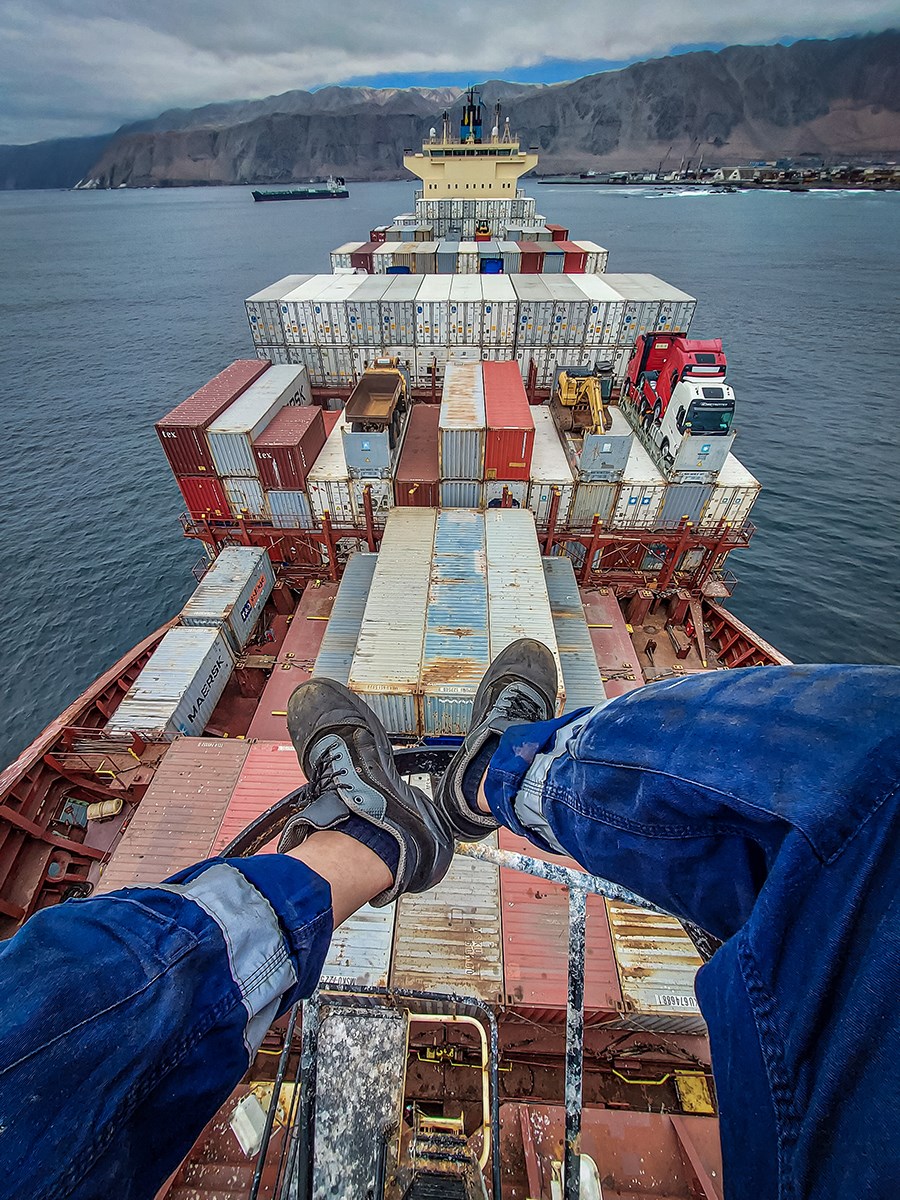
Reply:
x=71, y=67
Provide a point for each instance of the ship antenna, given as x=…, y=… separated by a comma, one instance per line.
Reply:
x=445, y=133
x=495, y=132
x=507, y=136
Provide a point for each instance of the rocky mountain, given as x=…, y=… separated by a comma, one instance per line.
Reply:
x=828, y=98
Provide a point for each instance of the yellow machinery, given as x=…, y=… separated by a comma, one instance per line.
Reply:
x=578, y=401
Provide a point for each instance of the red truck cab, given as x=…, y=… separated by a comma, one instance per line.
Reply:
x=660, y=361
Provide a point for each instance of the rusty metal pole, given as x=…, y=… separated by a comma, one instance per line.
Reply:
x=433, y=380
x=574, y=1045
x=671, y=563
x=370, y=519
x=592, y=550
x=707, y=567
x=330, y=544
x=551, y=520
x=506, y=498
x=532, y=380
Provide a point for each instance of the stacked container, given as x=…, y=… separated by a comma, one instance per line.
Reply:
x=640, y=494
x=264, y=312
x=361, y=257
x=329, y=480
x=342, y=631
x=285, y=452
x=597, y=256
x=341, y=258
x=733, y=495
x=509, y=437
x=499, y=311
x=462, y=435
x=550, y=471
x=604, y=456
x=183, y=438
x=232, y=594
x=581, y=675
x=416, y=483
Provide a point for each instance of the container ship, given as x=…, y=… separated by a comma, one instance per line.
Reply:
x=468, y=431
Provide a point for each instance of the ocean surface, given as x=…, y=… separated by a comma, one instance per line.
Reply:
x=116, y=305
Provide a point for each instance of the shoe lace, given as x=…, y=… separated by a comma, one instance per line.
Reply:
x=323, y=777
x=518, y=706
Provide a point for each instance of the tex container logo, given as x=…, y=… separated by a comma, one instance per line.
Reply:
x=253, y=597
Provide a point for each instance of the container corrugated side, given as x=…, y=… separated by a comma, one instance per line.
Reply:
x=733, y=495
x=288, y=447
x=549, y=469
x=264, y=310
x=246, y=498
x=641, y=492
x=581, y=675
x=387, y=664
x=518, y=605
x=461, y=493
x=684, y=500
x=360, y=948
x=509, y=440
x=657, y=962
x=205, y=497
x=416, y=479
x=231, y=435
x=329, y=481
x=289, y=509
x=462, y=422
x=456, y=653
x=449, y=938
x=342, y=631
x=179, y=687
x=232, y=593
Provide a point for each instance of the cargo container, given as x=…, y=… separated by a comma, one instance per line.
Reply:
x=462, y=422
x=181, y=432
x=246, y=498
x=232, y=594
x=516, y=490
x=499, y=313
x=581, y=675
x=383, y=257
x=461, y=493
x=517, y=593
x=593, y=499
x=467, y=261
x=511, y=256
x=446, y=255
x=432, y=311
x=205, y=497
x=605, y=310
x=381, y=493
x=466, y=310
x=734, y=494
x=342, y=631
x=289, y=509
x=536, y=945
x=531, y=257
x=657, y=963
x=270, y=771
x=449, y=939
x=575, y=261
x=341, y=256
x=416, y=479
x=364, y=311
x=509, y=438
x=387, y=663
x=559, y=233
x=398, y=312
x=571, y=308
x=640, y=493
x=274, y=354
x=361, y=257
x=296, y=315
x=554, y=259
x=179, y=687
x=328, y=482
x=545, y=360
x=360, y=948
x=597, y=256
x=652, y=304
x=230, y=436
x=288, y=447
x=684, y=500
x=455, y=653
x=536, y=310
x=264, y=310
x=550, y=470
x=604, y=456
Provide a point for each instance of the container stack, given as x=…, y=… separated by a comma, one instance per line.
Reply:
x=550, y=471
x=461, y=436
x=417, y=481
x=509, y=435
x=264, y=314
x=285, y=453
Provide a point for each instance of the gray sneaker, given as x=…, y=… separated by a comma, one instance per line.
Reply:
x=518, y=687
x=346, y=756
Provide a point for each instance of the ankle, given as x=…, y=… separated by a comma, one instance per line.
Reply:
x=481, y=799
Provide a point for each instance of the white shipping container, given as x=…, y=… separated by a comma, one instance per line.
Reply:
x=570, y=311
x=274, y=354
x=398, y=311
x=461, y=424
x=465, y=310
x=592, y=499
x=231, y=435
x=387, y=665
x=179, y=687
x=516, y=489
x=545, y=359
x=246, y=497
x=640, y=493
x=328, y=482
x=264, y=310
x=603, y=322
x=536, y=310
x=550, y=470
x=597, y=256
x=232, y=593
x=296, y=316
x=500, y=311
x=432, y=311
x=381, y=492
x=733, y=495
x=518, y=605
x=340, y=256
x=364, y=310
x=657, y=963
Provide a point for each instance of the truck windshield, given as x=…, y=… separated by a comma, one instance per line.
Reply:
x=709, y=416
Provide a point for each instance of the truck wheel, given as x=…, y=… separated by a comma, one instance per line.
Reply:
x=657, y=413
x=664, y=450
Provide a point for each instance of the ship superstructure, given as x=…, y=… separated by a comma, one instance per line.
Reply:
x=467, y=432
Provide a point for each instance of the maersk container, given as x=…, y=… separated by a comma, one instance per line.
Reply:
x=550, y=470
x=605, y=310
x=286, y=450
x=499, y=313
x=461, y=493
x=179, y=687
x=181, y=432
x=342, y=631
x=640, y=492
x=517, y=592
x=733, y=495
x=246, y=498
x=604, y=456
x=232, y=593
x=462, y=422
x=684, y=500
x=328, y=482
x=581, y=675
x=593, y=499
x=205, y=497
x=509, y=439
x=381, y=494
x=264, y=310
x=387, y=665
x=432, y=311
x=455, y=653
x=289, y=509
x=230, y=436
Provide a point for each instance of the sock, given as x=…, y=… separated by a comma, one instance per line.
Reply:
x=377, y=839
x=471, y=780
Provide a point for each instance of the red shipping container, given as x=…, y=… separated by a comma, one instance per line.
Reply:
x=205, y=497
x=330, y=416
x=532, y=258
x=535, y=919
x=289, y=445
x=509, y=442
x=559, y=233
x=575, y=258
x=416, y=482
x=361, y=259
x=378, y=235
x=181, y=431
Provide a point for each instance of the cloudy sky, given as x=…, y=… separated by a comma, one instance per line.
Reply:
x=71, y=67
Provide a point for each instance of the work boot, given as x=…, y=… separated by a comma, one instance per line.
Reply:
x=518, y=687
x=347, y=759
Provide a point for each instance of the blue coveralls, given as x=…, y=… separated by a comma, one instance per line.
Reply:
x=760, y=804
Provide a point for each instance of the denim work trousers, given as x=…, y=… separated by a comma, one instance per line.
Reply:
x=760, y=804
